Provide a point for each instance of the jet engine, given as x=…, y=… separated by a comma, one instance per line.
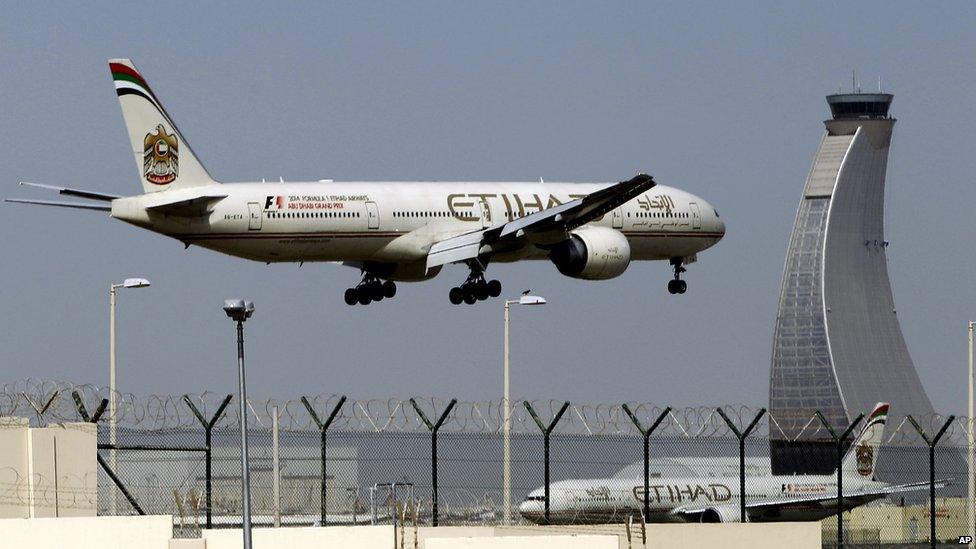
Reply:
x=592, y=253
x=722, y=513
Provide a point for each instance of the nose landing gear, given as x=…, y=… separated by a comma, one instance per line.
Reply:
x=677, y=286
x=369, y=290
x=475, y=288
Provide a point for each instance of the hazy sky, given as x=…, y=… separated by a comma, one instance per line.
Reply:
x=723, y=100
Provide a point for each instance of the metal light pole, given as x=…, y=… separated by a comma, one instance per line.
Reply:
x=970, y=512
x=127, y=283
x=507, y=411
x=239, y=311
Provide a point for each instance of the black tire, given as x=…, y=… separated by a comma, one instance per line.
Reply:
x=389, y=288
x=481, y=290
x=682, y=286
x=364, y=298
x=456, y=296
x=375, y=290
x=673, y=286
x=470, y=298
x=352, y=296
x=494, y=288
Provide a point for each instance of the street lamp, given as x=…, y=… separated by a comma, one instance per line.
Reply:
x=970, y=513
x=239, y=311
x=127, y=283
x=525, y=299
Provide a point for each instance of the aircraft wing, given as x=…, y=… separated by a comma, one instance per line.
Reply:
x=512, y=235
x=758, y=508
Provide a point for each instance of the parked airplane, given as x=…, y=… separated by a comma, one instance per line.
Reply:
x=397, y=231
x=716, y=499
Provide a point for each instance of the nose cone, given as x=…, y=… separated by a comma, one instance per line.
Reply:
x=715, y=223
x=533, y=508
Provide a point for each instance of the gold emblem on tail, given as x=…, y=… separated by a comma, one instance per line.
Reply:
x=161, y=157
x=865, y=460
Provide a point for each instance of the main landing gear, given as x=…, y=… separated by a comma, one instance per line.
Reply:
x=677, y=286
x=369, y=290
x=475, y=288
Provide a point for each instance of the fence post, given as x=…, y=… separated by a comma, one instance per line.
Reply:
x=647, y=452
x=323, y=427
x=931, y=444
x=433, y=427
x=839, y=441
x=83, y=412
x=208, y=426
x=546, y=431
x=741, y=435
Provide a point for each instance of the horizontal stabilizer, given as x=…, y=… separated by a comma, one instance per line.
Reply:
x=190, y=207
x=75, y=205
x=80, y=193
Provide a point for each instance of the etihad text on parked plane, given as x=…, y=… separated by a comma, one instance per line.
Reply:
x=398, y=230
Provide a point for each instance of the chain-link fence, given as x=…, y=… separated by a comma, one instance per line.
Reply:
x=331, y=460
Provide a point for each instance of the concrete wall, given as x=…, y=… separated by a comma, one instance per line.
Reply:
x=14, y=493
x=152, y=532
x=352, y=537
x=795, y=535
x=47, y=472
x=527, y=542
x=772, y=535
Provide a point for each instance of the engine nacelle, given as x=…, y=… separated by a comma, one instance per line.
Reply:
x=721, y=513
x=592, y=253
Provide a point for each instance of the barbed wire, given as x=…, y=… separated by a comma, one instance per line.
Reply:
x=45, y=402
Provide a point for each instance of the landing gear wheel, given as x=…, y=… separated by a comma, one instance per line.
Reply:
x=364, y=298
x=469, y=298
x=389, y=288
x=352, y=296
x=494, y=288
x=481, y=290
x=375, y=290
x=456, y=296
x=677, y=286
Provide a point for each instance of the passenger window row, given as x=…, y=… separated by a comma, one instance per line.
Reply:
x=662, y=215
x=423, y=215
x=312, y=215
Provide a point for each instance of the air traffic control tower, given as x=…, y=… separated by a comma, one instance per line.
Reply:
x=837, y=345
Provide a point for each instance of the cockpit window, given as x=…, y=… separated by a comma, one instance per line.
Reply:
x=716, y=212
x=536, y=498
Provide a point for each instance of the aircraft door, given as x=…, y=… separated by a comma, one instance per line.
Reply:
x=372, y=216
x=695, y=215
x=254, y=216
x=485, y=214
x=618, y=219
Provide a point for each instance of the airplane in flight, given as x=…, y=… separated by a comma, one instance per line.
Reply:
x=397, y=231
x=769, y=498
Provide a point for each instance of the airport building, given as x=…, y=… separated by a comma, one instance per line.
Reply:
x=838, y=346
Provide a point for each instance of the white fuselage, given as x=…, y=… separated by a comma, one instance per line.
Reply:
x=613, y=500
x=397, y=222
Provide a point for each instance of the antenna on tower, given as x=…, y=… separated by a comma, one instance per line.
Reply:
x=853, y=80
x=879, y=83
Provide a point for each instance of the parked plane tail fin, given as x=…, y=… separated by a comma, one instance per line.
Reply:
x=862, y=456
x=163, y=156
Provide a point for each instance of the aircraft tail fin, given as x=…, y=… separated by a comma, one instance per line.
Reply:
x=163, y=156
x=863, y=454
